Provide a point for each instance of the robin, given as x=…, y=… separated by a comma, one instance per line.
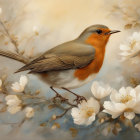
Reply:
x=74, y=63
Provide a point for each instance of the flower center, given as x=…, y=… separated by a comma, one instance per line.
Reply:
x=89, y=112
x=126, y=98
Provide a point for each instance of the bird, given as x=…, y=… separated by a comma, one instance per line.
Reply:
x=74, y=63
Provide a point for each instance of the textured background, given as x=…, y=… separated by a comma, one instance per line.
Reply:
x=58, y=21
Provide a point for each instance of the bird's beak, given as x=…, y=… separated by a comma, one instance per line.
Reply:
x=112, y=32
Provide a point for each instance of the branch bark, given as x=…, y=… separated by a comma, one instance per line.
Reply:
x=14, y=56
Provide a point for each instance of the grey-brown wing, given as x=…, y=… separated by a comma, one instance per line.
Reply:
x=60, y=59
x=55, y=63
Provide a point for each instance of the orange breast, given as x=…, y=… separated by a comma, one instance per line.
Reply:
x=95, y=66
x=92, y=68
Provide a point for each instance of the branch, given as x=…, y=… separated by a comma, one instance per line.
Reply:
x=14, y=56
x=66, y=110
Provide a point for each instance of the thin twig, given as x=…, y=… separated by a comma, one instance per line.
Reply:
x=66, y=110
x=9, y=54
x=9, y=36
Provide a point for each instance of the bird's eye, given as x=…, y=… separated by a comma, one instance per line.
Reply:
x=99, y=31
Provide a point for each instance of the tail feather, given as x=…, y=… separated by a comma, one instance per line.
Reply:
x=24, y=68
x=20, y=70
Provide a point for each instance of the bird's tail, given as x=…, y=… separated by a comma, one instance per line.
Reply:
x=14, y=56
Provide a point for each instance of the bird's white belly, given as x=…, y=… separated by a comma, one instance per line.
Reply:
x=65, y=79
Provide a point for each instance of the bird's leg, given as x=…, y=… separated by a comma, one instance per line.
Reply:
x=78, y=97
x=58, y=96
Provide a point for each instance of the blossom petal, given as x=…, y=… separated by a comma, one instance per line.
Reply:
x=115, y=96
x=125, y=54
x=136, y=108
x=114, y=109
x=124, y=47
x=12, y=100
x=131, y=103
x=29, y=112
x=13, y=109
x=85, y=113
x=100, y=90
x=131, y=92
x=129, y=115
x=137, y=89
x=16, y=87
x=114, y=114
x=94, y=103
x=75, y=112
x=10, y=97
x=122, y=91
x=90, y=120
x=23, y=80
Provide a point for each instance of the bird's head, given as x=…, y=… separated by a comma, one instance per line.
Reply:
x=97, y=35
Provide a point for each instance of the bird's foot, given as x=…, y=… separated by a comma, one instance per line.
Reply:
x=58, y=96
x=79, y=99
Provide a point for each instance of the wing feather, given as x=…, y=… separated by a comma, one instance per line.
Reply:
x=59, y=59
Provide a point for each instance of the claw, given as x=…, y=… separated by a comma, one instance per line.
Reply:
x=59, y=97
x=63, y=100
x=79, y=99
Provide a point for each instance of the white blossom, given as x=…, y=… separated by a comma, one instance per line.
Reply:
x=100, y=90
x=137, y=126
x=12, y=100
x=131, y=47
x=19, y=86
x=13, y=109
x=14, y=103
x=121, y=9
x=29, y=112
x=85, y=113
x=125, y=102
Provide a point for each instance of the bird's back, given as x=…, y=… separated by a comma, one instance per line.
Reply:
x=69, y=55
